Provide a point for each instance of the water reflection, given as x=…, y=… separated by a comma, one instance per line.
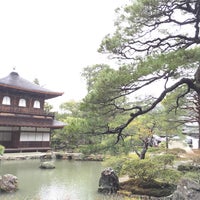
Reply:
x=70, y=180
x=48, y=192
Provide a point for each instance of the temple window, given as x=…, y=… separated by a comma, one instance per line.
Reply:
x=6, y=100
x=36, y=104
x=22, y=103
x=5, y=136
x=33, y=137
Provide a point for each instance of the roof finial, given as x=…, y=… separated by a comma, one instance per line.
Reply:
x=14, y=73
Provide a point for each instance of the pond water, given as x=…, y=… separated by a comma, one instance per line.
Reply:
x=70, y=180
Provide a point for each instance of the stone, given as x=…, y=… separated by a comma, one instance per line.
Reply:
x=8, y=183
x=47, y=165
x=108, y=182
x=187, y=190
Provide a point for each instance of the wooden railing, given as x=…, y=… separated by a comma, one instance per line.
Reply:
x=22, y=110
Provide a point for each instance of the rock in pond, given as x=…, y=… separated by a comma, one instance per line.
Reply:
x=108, y=182
x=47, y=165
x=8, y=183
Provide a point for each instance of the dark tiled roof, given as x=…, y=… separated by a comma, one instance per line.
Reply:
x=14, y=81
x=30, y=122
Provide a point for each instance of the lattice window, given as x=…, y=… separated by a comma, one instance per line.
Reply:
x=22, y=102
x=36, y=104
x=6, y=100
x=5, y=136
x=40, y=137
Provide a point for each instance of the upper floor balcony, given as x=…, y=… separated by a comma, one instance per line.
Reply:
x=25, y=111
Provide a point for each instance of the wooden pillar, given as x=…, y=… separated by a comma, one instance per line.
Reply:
x=15, y=139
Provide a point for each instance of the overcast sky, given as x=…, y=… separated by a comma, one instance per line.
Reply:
x=53, y=40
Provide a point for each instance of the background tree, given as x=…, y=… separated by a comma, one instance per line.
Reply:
x=157, y=44
x=143, y=130
x=71, y=136
x=187, y=114
x=47, y=107
x=77, y=136
x=170, y=117
x=192, y=114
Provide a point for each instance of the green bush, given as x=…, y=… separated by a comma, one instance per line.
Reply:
x=145, y=170
x=165, y=159
x=169, y=176
x=89, y=149
x=2, y=148
x=158, y=167
x=195, y=176
x=162, y=145
x=188, y=168
x=116, y=163
x=107, y=147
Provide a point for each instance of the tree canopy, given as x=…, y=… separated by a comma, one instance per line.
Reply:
x=157, y=44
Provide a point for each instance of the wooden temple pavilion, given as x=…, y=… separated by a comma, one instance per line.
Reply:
x=24, y=124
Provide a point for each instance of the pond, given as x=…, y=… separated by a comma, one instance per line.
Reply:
x=70, y=180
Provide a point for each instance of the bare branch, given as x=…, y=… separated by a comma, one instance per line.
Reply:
x=118, y=130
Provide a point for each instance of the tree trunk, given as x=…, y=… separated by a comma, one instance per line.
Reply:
x=199, y=135
x=197, y=79
x=144, y=150
x=198, y=110
x=167, y=141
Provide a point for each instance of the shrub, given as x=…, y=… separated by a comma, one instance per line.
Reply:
x=169, y=175
x=165, y=159
x=2, y=148
x=145, y=170
x=176, y=151
x=154, y=150
x=195, y=176
x=116, y=163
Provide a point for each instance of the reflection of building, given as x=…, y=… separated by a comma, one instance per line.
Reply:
x=24, y=125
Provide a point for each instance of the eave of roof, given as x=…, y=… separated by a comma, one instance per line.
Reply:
x=14, y=81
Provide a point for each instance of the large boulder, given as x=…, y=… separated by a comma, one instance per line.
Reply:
x=8, y=183
x=187, y=190
x=108, y=182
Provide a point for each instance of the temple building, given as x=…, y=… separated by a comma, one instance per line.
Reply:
x=24, y=124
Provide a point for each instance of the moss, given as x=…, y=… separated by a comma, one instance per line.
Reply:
x=153, y=188
x=124, y=193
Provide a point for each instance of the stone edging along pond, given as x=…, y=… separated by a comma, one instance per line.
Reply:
x=51, y=155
